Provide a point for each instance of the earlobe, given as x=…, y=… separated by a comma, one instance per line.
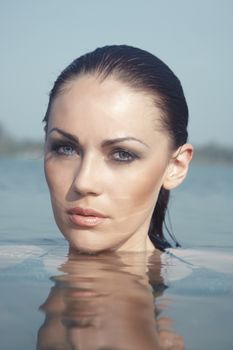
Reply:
x=178, y=167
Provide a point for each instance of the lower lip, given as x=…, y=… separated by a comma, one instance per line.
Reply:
x=86, y=221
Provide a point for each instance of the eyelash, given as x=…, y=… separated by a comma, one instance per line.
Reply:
x=59, y=149
x=57, y=146
x=130, y=155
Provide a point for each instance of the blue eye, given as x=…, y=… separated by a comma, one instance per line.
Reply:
x=66, y=150
x=63, y=149
x=123, y=156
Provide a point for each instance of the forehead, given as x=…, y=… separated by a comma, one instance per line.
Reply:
x=107, y=106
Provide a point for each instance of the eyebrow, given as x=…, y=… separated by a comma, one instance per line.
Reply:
x=121, y=139
x=65, y=134
x=104, y=143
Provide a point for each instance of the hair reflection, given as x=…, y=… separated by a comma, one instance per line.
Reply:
x=107, y=302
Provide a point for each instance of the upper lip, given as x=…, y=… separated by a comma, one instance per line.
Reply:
x=86, y=212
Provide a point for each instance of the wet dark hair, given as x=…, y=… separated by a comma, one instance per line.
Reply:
x=143, y=72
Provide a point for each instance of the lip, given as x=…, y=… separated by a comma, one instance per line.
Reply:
x=86, y=217
x=81, y=293
x=86, y=212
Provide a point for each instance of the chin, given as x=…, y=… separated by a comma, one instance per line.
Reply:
x=86, y=249
x=90, y=246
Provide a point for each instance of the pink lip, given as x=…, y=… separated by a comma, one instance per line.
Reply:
x=86, y=217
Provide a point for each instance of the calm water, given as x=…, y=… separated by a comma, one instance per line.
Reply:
x=129, y=301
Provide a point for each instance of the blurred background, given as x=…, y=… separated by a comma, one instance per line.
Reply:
x=39, y=38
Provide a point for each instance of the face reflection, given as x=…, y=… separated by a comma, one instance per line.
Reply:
x=87, y=308
x=105, y=151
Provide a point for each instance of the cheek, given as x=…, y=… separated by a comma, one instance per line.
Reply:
x=58, y=181
x=139, y=188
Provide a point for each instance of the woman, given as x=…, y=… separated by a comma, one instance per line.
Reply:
x=116, y=144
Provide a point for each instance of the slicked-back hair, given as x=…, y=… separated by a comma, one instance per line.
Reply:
x=143, y=72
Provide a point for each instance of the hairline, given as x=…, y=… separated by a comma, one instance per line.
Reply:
x=155, y=97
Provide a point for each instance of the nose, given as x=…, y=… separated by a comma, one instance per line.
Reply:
x=88, y=175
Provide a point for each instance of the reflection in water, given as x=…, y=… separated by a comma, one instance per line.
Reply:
x=106, y=302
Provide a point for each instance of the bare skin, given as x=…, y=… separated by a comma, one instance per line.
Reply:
x=106, y=150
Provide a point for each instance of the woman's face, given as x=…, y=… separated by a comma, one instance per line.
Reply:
x=106, y=157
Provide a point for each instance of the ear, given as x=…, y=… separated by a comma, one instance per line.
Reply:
x=178, y=166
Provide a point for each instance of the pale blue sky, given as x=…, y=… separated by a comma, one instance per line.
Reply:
x=39, y=38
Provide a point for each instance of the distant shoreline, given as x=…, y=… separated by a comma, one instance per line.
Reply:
x=213, y=153
x=209, y=153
